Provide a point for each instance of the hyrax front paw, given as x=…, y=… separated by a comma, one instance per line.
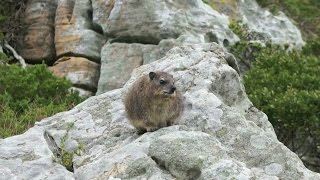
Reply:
x=151, y=129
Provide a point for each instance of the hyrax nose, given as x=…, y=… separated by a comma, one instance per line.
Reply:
x=173, y=88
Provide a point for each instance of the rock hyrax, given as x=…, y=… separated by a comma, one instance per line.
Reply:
x=153, y=102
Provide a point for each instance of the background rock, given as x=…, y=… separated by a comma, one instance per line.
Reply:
x=261, y=23
x=120, y=59
x=141, y=31
x=149, y=22
x=37, y=42
x=220, y=135
x=80, y=71
x=74, y=30
x=279, y=29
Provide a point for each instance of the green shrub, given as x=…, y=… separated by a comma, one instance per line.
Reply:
x=31, y=94
x=244, y=51
x=286, y=86
x=312, y=47
x=11, y=25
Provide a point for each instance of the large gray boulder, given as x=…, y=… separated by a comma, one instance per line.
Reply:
x=37, y=35
x=75, y=33
x=142, y=31
x=145, y=21
x=118, y=60
x=220, y=134
x=263, y=26
x=278, y=28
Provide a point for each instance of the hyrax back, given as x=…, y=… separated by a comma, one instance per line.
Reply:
x=153, y=102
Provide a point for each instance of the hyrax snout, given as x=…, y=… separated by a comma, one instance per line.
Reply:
x=153, y=102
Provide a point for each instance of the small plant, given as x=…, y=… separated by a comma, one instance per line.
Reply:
x=65, y=157
x=3, y=57
x=240, y=30
x=244, y=51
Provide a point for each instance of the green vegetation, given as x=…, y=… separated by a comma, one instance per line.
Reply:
x=10, y=19
x=305, y=12
x=65, y=157
x=31, y=94
x=286, y=86
x=245, y=51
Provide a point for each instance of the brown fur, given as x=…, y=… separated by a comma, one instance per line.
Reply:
x=151, y=105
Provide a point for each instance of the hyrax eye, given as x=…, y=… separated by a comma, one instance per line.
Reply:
x=162, y=82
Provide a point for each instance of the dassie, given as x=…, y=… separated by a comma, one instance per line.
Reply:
x=153, y=102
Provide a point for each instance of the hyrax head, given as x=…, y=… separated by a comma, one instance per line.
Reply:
x=162, y=83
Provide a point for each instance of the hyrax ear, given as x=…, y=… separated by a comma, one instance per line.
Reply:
x=152, y=75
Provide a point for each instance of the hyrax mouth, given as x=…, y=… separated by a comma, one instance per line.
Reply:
x=169, y=93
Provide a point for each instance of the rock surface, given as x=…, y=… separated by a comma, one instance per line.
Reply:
x=261, y=23
x=220, y=135
x=148, y=22
x=28, y=156
x=82, y=72
x=118, y=60
x=37, y=42
x=125, y=34
x=74, y=30
x=279, y=29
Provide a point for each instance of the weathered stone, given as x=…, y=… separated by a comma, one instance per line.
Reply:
x=37, y=43
x=119, y=59
x=117, y=63
x=136, y=21
x=227, y=7
x=278, y=28
x=263, y=26
x=28, y=156
x=80, y=71
x=82, y=92
x=220, y=135
x=74, y=32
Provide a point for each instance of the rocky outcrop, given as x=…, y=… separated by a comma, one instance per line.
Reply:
x=74, y=30
x=28, y=156
x=261, y=23
x=279, y=29
x=117, y=57
x=151, y=21
x=136, y=32
x=120, y=59
x=37, y=43
x=220, y=134
x=80, y=71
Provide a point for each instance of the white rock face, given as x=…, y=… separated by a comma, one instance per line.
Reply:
x=279, y=29
x=28, y=156
x=149, y=22
x=220, y=135
x=118, y=60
